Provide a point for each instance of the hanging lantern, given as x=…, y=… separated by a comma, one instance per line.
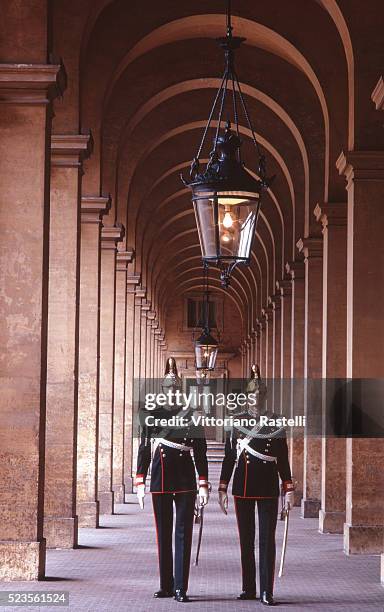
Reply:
x=225, y=195
x=206, y=346
x=206, y=349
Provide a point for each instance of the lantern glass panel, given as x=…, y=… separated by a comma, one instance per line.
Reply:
x=226, y=223
x=205, y=356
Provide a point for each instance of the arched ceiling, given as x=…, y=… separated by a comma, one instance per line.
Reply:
x=153, y=73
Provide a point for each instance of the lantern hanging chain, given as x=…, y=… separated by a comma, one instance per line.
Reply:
x=235, y=115
x=206, y=297
x=229, y=74
x=262, y=169
x=197, y=156
x=220, y=118
x=229, y=18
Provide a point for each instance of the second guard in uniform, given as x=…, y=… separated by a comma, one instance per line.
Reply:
x=173, y=483
x=260, y=455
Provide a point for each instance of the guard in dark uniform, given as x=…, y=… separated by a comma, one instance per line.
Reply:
x=173, y=482
x=260, y=455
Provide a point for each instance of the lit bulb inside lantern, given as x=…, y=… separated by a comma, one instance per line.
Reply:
x=226, y=237
x=227, y=221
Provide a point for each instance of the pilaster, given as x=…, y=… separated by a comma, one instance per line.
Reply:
x=110, y=237
x=26, y=92
x=60, y=520
x=93, y=208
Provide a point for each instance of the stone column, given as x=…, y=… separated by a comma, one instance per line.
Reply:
x=296, y=442
x=312, y=249
x=158, y=352
x=259, y=327
x=269, y=372
x=131, y=339
x=333, y=218
x=364, y=171
x=277, y=382
x=263, y=344
x=60, y=519
x=92, y=210
x=26, y=91
x=244, y=359
x=153, y=327
x=110, y=236
x=138, y=372
x=253, y=346
x=149, y=351
x=285, y=288
x=118, y=485
x=145, y=307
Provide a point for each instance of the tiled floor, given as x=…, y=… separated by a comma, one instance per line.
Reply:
x=115, y=568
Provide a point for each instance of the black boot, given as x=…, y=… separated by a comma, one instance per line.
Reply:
x=162, y=594
x=246, y=595
x=267, y=599
x=181, y=595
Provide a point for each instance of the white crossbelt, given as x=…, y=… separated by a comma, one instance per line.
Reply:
x=244, y=445
x=181, y=447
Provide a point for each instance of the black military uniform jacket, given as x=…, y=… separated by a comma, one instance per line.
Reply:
x=173, y=471
x=255, y=477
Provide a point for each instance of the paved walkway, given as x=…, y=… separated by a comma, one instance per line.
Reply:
x=115, y=568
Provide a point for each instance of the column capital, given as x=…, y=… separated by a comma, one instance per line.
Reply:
x=377, y=96
x=266, y=313
x=261, y=322
x=93, y=208
x=295, y=269
x=284, y=286
x=151, y=315
x=361, y=165
x=133, y=280
x=311, y=247
x=111, y=235
x=331, y=213
x=123, y=258
x=141, y=292
x=275, y=301
x=32, y=84
x=145, y=306
x=70, y=150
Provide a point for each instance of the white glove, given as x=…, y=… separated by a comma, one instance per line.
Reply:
x=223, y=501
x=289, y=500
x=141, y=494
x=203, y=496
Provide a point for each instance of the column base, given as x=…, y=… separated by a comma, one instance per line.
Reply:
x=61, y=532
x=310, y=508
x=297, y=496
x=382, y=569
x=119, y=494
x=331, y=522
x=106, y=502
x=363, y=539
x=22, y=560
x=128, y=484
x=88, y=514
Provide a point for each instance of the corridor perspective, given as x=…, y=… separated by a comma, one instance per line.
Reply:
x=103, y=106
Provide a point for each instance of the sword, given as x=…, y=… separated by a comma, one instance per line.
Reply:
x=285, y=538
x=199, y=519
